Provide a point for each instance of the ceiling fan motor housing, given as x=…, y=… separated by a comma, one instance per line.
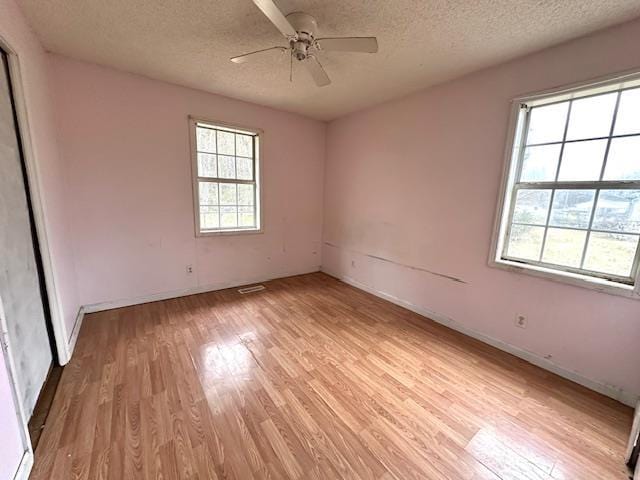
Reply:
x=303, y=23
x=306, y=28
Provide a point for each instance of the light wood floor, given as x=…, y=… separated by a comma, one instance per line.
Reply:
x=313, y=379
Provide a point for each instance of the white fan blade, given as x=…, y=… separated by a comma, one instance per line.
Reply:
x=317, y=72
x=247, y=56
x=349, y=44
x=274, y=14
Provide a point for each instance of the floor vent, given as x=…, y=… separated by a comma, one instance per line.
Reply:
x=255, y=288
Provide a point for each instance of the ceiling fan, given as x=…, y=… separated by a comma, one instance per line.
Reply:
x=300, y=30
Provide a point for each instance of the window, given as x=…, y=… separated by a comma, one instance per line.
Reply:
x=226, y=179
x=572, y=195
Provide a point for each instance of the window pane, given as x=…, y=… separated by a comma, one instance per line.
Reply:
x=206, y=140
x=540, y=163
x=591, y=117
x=618, y=210
x=208, y=193
x=209, y=218
x=572, y=208
x=596, y=226
x=226, y=143
x=623, y=162
x=611, y=253
x=245, y=194
x=582, y=160
x=226, y=166
x=244, y=167
x=628, y=118
x=244, y=145
x=228, y=217
x=532, y=206
x=546, y=124
x=564, y=247
x=228, y=195
x=246, y=217
x=207, y=165
x=525, y=242
x=224, y=156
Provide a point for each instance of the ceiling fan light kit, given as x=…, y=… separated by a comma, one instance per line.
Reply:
x=300, y=30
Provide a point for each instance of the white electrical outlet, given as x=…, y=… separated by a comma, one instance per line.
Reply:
x=521, y=320
x=189, y=269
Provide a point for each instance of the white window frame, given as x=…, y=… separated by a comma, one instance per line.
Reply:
x=512, y=162
x=259, y=134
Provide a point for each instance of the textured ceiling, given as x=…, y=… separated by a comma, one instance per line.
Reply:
x=189, y=42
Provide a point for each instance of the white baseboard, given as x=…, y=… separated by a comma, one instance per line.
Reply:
x=126, y=302
x=611, y=391
x=71, y=344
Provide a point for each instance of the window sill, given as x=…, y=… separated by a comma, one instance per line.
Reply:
x=599, y=284
x=215, y=233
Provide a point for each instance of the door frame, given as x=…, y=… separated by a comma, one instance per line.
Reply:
x=61, y=336
x=26, y=463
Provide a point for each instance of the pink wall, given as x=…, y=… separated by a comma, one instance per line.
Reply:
x=125, y=144
x=35, y=81
x=416, y=181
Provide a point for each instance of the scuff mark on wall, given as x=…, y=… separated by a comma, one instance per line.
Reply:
x=411, y=267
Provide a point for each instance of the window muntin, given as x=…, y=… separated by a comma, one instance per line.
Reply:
x=226, y=179
x=575, y=199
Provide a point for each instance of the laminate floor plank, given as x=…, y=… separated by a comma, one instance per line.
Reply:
x=314, y=379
